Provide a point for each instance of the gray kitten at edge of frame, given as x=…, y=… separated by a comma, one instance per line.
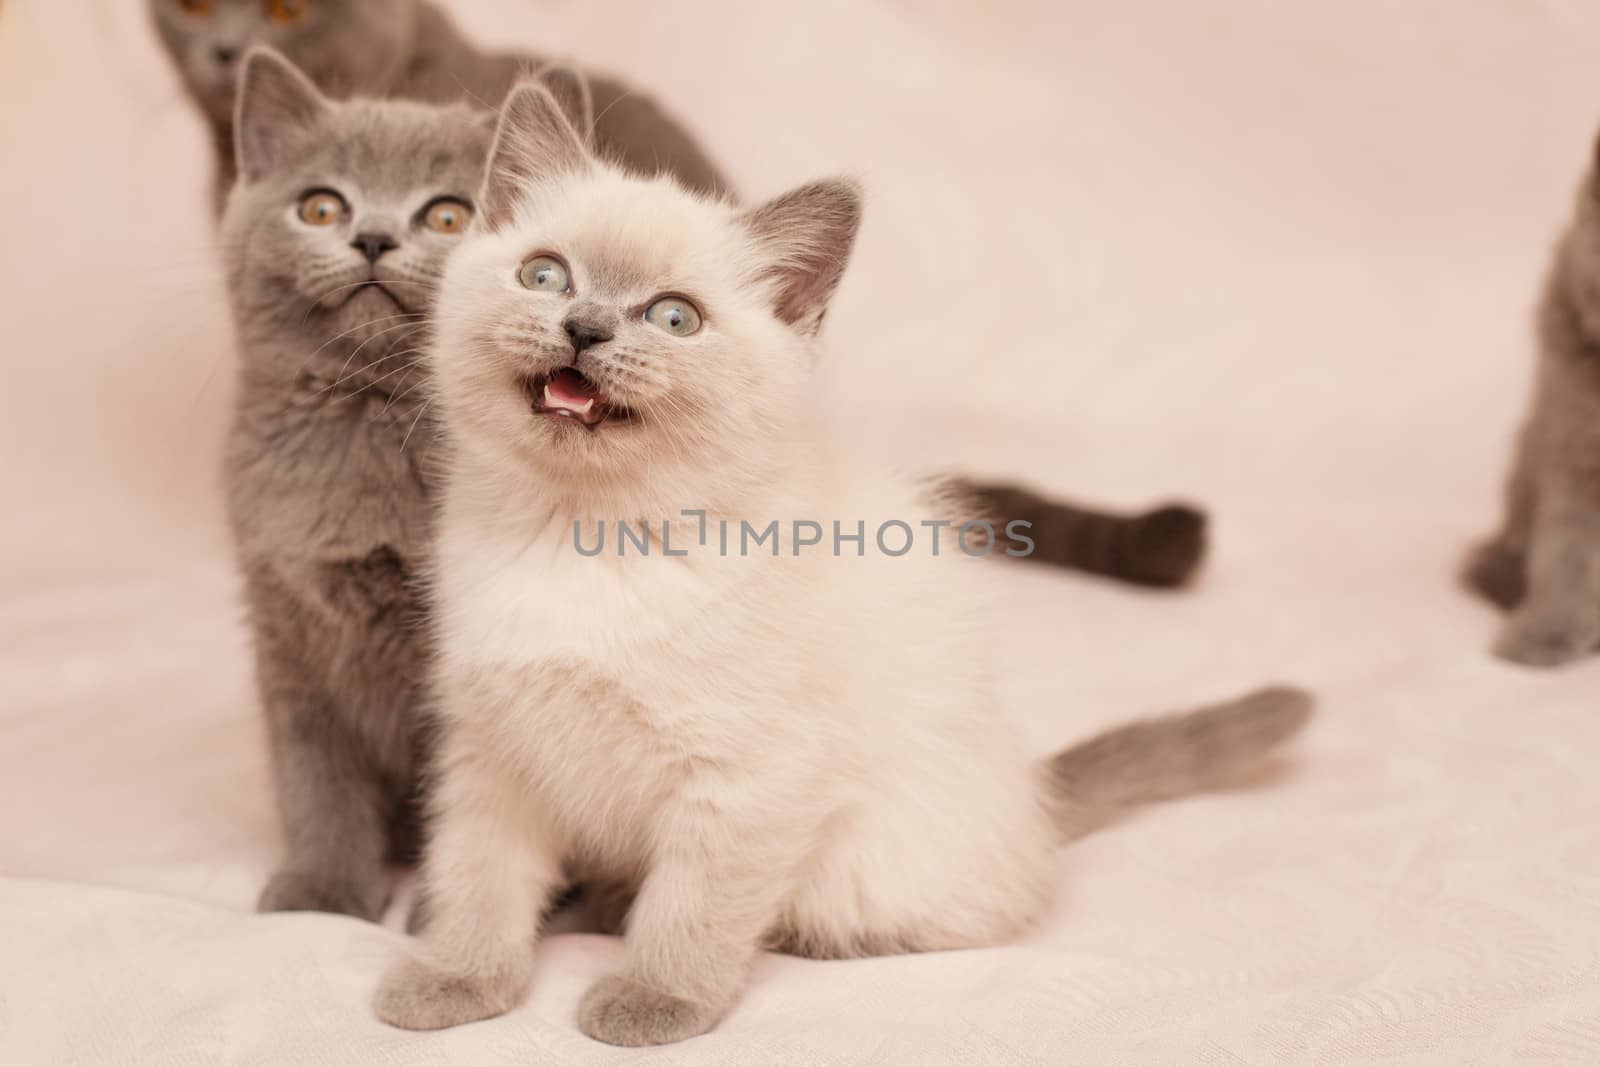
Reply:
x=1543, y=565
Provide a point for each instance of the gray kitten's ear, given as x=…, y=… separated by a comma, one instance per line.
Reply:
x=533, y=140
x=571, y=90
x=804, y=238
x=277, y=104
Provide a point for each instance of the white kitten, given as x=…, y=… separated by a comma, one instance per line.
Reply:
x=795, y=750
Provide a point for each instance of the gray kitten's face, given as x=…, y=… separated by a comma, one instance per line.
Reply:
x=338, y=230
x=344, y=45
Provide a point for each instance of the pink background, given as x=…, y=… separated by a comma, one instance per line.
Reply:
x=1276, y=257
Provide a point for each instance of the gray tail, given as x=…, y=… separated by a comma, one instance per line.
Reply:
x=1170, y=756
x=1162, y=548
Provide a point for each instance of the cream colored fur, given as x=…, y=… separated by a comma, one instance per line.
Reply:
x=800, y=752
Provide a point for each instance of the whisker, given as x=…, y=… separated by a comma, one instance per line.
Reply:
x=375, y=381
x=371, y=281
x=385, y=377
x=315, y=282
x=414, y=422
x=357, y=285
x=375, y=364
x=404, y=392
x=353, y=329
x=357, y=350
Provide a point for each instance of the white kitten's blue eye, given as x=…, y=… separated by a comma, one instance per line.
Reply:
x=675, y=315
x=545, y=274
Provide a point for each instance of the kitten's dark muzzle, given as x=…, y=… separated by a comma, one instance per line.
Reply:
x=584, y=333
x=373, y=245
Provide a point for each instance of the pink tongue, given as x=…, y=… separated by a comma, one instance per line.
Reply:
x=570, y=387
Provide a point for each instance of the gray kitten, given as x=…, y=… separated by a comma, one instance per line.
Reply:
x=398, y=48
x=1543, y=566
x=333, y=241
x=410, y=49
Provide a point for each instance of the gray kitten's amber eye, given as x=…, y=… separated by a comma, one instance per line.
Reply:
x=546, y=274
x=447, y=216
x=195, y=7
x=675, y=315
x=321, y=209
x=286, y=12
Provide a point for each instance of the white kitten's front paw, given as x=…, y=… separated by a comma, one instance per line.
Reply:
x=1536, y=642
x=418, y=994
x=621, y=1011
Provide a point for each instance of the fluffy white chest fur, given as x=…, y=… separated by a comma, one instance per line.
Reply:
x=833, y=703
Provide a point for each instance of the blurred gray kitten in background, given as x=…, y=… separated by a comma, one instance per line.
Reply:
x=398, y=48
x=410, y=49
x=333, y=241
x=1543, y=566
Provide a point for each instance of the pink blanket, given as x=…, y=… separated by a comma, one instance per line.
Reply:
x=1276, y=256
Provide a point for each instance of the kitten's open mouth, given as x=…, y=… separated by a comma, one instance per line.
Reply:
x=567, y=394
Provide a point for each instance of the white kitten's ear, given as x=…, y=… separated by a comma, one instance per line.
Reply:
x=804, y=238
x=571, y=90
x=533, y=140
x=276, y=105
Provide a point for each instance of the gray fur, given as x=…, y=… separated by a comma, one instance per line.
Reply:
x=1170, y=756
x=408, y=49
x=326, y=465
x=1543, y=565
x=1161, y=548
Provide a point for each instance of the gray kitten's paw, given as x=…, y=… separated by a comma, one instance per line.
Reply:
x=297, y=889
x=417, y=994
x=1498, y=573
x=621, y=1011
x=1534, y=642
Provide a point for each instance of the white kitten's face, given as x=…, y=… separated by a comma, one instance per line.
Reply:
x=615, y=330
